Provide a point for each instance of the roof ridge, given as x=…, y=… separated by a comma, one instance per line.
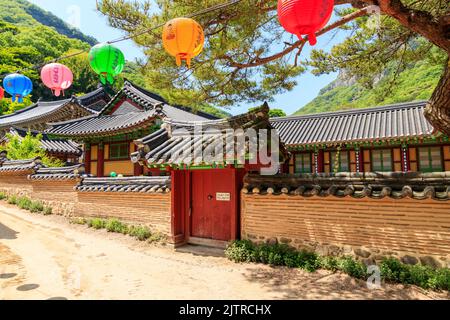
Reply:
x=396, y=106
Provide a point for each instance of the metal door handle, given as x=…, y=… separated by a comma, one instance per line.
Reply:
x=210, y=197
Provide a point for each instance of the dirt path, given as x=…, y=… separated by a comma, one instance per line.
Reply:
x=47, y=258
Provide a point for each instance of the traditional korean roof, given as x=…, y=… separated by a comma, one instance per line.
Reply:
x=404, y=120
x=104, y=125
x=44, y=110
x=149, y=100
x=63, y=173
x=150, y=108
x=95, y=100
x=176, y=139
x=19, y=166
x=133, y=184
x=51, y=145
x=395, y=185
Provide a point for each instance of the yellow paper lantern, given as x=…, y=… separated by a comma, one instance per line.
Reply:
x=183, y=38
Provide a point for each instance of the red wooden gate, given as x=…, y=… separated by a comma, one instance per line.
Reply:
x=213, y=204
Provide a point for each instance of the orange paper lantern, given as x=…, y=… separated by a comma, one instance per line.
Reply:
x=183, y=38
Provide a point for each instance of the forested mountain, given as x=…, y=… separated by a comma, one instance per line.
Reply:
x=23, y=13
x=416, y=82
x=30, y=36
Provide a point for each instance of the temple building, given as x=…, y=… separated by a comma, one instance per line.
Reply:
x=37, y=116
x=394, y=138
x=68, y=151
x=108, y=136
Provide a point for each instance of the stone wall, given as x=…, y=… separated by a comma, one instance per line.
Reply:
x=15, y=184
x=151, y=209
x=414, y=231
x=60, y=195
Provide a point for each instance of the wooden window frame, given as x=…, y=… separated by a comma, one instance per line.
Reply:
x=419, y=162
x=296, y=169
x=390, y=150
x=120, y=157
x=340, y=162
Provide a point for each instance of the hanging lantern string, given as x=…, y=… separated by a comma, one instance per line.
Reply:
x=125, y=38
x=193, y=15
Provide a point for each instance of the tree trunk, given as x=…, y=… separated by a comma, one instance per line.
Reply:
x=438, y=108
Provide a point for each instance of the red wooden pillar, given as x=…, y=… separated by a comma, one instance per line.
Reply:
x=138, y=169
x=320, y=161
x=101, y=160
x=181, y=206
x=87, y=158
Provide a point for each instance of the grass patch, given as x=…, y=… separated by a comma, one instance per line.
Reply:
x=96, y=223
x=3, y=196
x=142, y=233
x=36, y=207
x=391, y=269
x=48, y=211
x=78, y=220
x=114, y=225
x=12, y=200
x=24, y=203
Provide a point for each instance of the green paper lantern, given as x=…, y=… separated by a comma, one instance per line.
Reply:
x=113, y=175
x=107, y=61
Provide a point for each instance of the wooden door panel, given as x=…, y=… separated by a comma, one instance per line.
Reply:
x=211, y=218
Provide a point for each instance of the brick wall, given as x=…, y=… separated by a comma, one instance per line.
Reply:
x=15, y=184
x=58, y=194
x=412, y=230
x=152, y=209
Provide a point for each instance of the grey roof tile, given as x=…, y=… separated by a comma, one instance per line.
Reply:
x=395, y=185
x=128, y=185
x=388, y=122
x=67, y=147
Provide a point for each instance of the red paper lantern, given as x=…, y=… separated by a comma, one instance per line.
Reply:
x=2, y=93
x=305, y=17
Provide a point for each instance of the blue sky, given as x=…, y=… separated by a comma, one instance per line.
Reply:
x=94, y=24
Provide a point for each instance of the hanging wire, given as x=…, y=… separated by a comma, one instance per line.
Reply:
x=129, y=37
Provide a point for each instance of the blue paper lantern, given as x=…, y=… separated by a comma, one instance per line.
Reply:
x=18, y=86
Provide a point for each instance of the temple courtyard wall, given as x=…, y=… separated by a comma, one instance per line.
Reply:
x=370, y=224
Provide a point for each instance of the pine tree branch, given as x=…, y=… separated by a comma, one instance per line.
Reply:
x=298, y=44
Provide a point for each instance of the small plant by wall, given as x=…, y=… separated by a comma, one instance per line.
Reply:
x=26, y=203
x=142, y=233
x=391, y=269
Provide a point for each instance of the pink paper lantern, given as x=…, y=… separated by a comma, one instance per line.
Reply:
x=57, y=77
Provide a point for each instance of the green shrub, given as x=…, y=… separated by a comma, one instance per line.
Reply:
x=48, y=211
x=240, y=251
x=393, y=270
x=97, y=223
x=156, y=237
x=12, y=200
x=3, y=196
x=329, y=263
x=36, y=206
x=114, y=225
x=352, y=267
x=426, y=277
x=24, y=203
x=441, y=279
x=140, y=232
